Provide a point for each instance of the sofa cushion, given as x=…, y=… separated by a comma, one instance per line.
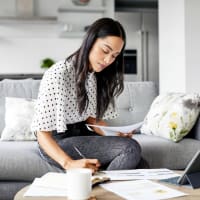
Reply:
x=134, y=102
x=195, y=132
x=20, y=161
x=162, y=153
x=2, y=114
x=197, y=129
x=18, y=117
x=172, y=115
x=27, y=88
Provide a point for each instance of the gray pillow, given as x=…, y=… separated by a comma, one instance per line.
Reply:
x=26, y=88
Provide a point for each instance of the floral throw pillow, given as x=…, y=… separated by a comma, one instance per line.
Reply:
x=18, y=116
x=172, y=115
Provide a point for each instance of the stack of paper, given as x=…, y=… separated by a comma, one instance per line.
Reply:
x=51, y=184
x=55, y=184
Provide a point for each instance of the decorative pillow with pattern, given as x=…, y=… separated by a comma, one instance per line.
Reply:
x=18, y=117
x=172, y=115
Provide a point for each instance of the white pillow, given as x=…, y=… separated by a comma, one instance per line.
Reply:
x=18, y=117
x=172, y=115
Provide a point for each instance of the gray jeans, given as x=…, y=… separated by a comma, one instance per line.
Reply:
x=113, y=152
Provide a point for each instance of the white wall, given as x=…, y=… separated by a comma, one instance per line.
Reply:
x=25, y=55
x=171, y=46
x=192, y=45
x=24, y=46
x=179, y=30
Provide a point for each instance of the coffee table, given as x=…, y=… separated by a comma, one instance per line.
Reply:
x=102, y=194
x=97, y=192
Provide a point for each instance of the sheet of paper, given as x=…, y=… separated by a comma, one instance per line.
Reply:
x=155, y=174
x=52, y=180
x=142, y=190
x=112, y=130
x=37, y=189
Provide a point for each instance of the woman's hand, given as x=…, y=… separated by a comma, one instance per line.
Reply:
x=93, y=121
x=128, y=135
x=52, y=149
x=92, y=164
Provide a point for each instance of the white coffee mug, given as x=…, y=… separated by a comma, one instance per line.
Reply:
x=79, y=184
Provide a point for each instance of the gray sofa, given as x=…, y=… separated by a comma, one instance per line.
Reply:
x=20, y=162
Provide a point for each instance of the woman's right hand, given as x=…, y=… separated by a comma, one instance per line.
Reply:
x=52, y=149
x=92, y=164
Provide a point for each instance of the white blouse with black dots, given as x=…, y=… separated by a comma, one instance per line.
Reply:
x=56, y=105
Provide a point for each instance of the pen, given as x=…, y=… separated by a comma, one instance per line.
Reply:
x=78, y=151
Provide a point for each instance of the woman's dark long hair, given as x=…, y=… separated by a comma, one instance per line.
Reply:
x=109, y=80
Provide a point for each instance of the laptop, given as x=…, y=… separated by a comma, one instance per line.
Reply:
x=191, y=174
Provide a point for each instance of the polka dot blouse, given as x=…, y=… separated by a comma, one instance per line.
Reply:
x=57, y=106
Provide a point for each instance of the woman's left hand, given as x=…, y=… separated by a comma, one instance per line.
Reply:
x=128, y=135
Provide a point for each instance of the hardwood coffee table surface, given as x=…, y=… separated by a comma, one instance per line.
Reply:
x=102, y=194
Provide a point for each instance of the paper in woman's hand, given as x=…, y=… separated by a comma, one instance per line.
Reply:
x=113, y=130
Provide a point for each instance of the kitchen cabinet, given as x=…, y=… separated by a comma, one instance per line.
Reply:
x=64, y=17
x=76, y=19
x=28, y=11
x=141, y=28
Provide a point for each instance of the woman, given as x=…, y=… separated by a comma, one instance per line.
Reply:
x=81, y=90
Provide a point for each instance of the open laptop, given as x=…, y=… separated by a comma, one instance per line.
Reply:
x=191, y=174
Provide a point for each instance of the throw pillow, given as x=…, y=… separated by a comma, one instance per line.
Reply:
x=18, y=116
x=172, y=115
x=21, y=88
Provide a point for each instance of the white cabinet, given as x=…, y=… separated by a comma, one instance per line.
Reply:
x=142, y=35
x=76, y=19
x=7, y=8
x=28, y=11
x=58, y=18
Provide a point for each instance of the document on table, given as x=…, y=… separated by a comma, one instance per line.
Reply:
x=112, y=130
x=155, y=174
x=55, y=184
x=141, y=190
x=51, y=184
x=38, y=190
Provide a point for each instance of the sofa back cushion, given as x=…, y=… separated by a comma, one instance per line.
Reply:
x=195, y=132
x=197, y=129
x=134, y=102
x=26, y=88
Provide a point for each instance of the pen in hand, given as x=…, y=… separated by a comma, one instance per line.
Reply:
x=78, y=151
